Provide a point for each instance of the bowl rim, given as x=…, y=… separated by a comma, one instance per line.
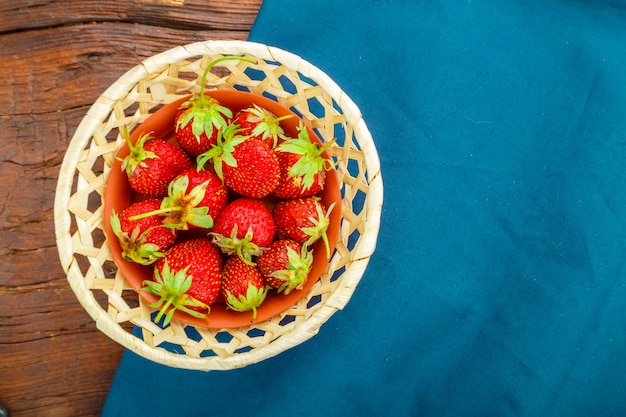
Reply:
x=218, y=318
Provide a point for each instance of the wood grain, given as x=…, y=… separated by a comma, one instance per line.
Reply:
x=56, y=58
x=232, y=15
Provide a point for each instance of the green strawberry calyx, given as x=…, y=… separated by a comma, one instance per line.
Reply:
x=222, y=152
x=136, y=153
x=134, y=245
x=268, y=125
x=205, y=113
x=311, y=161
x=171, y=287
x=320, y=224
x=181, y=208
x=252, y=299
x=296, y=271
x=244, y=248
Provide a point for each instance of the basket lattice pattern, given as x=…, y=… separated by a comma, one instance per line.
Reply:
x=102, y=290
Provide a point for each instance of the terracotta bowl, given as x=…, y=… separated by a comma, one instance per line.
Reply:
x=118, y=196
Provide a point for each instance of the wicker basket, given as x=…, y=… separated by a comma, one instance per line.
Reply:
x=84, y=253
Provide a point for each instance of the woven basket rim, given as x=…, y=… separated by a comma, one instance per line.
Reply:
x=104, y=105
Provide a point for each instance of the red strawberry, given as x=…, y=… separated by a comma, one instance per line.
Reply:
x=188, y=278
x=243, y=286
x=302, y=166
x=260, y=123
x=304, y=220
x=285, y=265
x=194, y=200
x=201, y=117
x=244, y=227
x=142, y=241
x=152, y=163
x=198, y=122
x=247, y=165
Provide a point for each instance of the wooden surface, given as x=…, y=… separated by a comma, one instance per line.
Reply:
x=56, y=58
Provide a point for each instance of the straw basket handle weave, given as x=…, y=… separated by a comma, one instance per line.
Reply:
x=85, y=255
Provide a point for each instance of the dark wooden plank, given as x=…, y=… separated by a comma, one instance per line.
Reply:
x=58, y=374
x=184, y=14
x=56, y=59
x=40, y=77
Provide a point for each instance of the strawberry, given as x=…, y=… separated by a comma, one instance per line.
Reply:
x=198, y=122
x=142, y=241
x=304, y=220
x=200, y=118
x=244, y=227
x=261, y=123
x=194, y=200
x=215, y=195
x=285, y=265
x=152, y=163
x=188, y=278
x=302, y=166
x=243, y=287
x=247, y=165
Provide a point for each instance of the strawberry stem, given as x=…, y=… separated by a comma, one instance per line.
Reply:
x=327, y=145
x=157, y=212
x=131, y=147
x=163, y=309
x=326, y=245
x=326, y=221
x=212, y=65
x=285, y=117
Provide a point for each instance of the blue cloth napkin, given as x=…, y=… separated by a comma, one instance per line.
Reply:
x=498, y=287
